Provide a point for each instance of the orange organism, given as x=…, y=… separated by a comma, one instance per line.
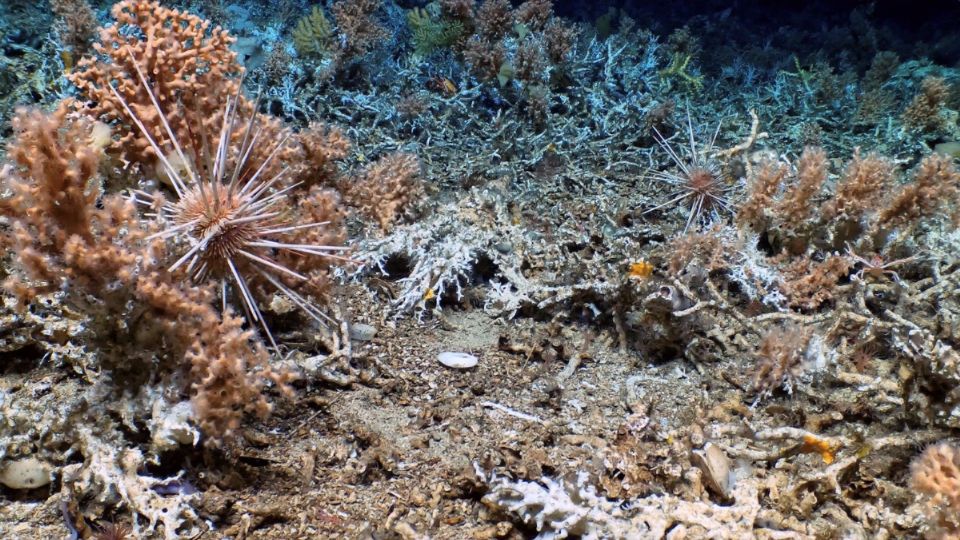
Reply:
x=640, y=270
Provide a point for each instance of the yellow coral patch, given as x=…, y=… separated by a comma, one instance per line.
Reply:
x=820, y=446
x=640, y=270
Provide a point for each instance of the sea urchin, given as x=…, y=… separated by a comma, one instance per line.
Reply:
x=234, y=227
x=697, y=181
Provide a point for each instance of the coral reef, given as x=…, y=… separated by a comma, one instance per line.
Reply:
x=702, y=264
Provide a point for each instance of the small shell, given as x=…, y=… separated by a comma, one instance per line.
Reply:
x=27, y=473
x=716, y=467
x=457, y=360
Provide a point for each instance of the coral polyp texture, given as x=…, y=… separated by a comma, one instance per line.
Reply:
x=702, y=259
x=191, y=67
x=935, y=475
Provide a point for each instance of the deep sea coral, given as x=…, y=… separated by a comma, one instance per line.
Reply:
x=61, y=229
x=190, y=64
x=770, y=374
x=925, y=111
x=387, y=188
x=68, y=236
x=236, y=224
x=312, y=36
x=358, y=28
x=935, y=475
x=79, y=25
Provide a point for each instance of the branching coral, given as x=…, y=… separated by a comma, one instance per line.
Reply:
x=783, y=203
x=235, y=218
x=359, y=30
x=925, y=112
x=191, y=68
x=387, y=188
x=936, y=476
x=430, y=32
x=235, y=222
x=57, y=231
x=319, y=147
x=67, y=236
x=935, y=187
x=114, y=477
x=808, y=284
x=79, y=24
x=499, y=43
x=564, y=509
x=313, y=35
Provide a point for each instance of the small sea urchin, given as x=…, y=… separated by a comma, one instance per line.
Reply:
x=697, y=182
x=234, y=227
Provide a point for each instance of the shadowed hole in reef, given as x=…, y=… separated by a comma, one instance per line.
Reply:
x=397, y=266
x=20, y=361
x=764, y=245
x=34, y=495
x=483, y=270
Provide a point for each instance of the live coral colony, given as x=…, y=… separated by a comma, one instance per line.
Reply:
x=479, y=269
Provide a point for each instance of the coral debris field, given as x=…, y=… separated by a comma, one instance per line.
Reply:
x=479, y=269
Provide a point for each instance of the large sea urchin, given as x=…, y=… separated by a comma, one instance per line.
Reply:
x=697, y=181
x=234, y=227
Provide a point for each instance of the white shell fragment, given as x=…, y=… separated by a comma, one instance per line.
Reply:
x=716, y=467
x=27, y=473
x=457, y=360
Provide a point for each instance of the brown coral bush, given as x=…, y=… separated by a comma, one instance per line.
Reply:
x=781, y=358
x=386, y=189
x=68, y=236
x=935, y=476
x=814, y=230
x=190, y=65
x=358, y=27
x=78, y=24
x=791, y=207
x=925, y=112
x=236, y=219
x=500, y=42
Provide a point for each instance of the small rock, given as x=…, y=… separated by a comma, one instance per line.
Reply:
x=362, y=332
x=27, y=473
x=951, y=149
x=457, y=360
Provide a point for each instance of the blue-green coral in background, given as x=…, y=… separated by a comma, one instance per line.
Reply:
x=313, y=35
x=430, y=32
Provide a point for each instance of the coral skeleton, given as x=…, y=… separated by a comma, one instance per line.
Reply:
x=574, y=508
